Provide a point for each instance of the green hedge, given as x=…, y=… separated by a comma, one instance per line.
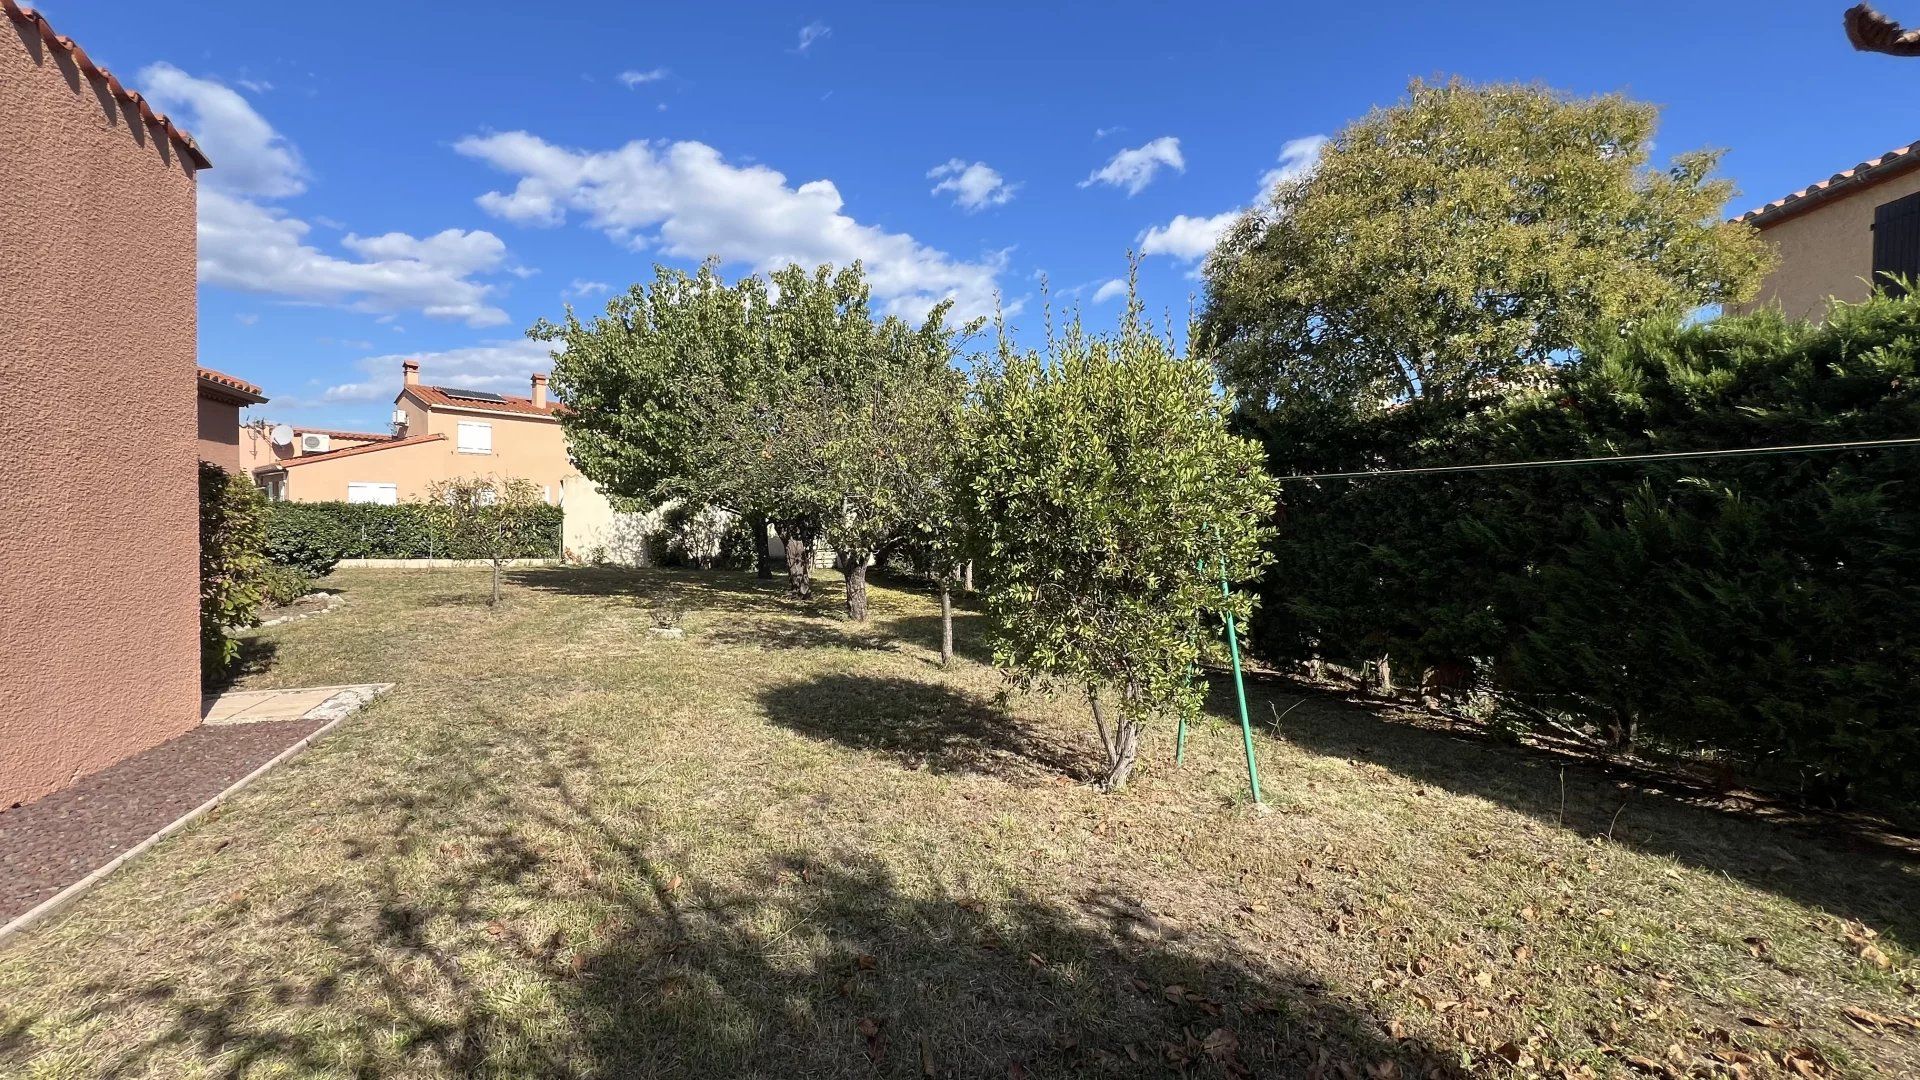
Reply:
x=315, y=536
x=231, y=563
x=1761, y=611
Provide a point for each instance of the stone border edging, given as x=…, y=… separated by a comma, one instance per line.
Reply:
x=333, y=710
x=435, y=564
x=334, y=600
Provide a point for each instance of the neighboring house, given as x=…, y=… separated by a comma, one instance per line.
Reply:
x=221, y=398
x=440, y=433
x=1838, y=237
x=99, y=493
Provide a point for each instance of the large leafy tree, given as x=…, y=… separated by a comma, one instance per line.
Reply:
x=1105, y=489
x=736, y=394
x=1449, y=243
x=784, y=400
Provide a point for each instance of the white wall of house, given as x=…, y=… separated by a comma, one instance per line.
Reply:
x=593, y=531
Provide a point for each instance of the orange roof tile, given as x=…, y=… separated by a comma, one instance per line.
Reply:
x=370, y=448
x=221, y=381
x=438, y=397
x=1869, y=172
x=39, y=25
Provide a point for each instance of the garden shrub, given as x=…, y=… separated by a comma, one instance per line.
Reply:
x=232, y=558
x=282, y=585
x=315, y=536
x=309, y=537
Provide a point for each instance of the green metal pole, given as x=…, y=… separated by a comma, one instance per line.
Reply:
x=1240, y=686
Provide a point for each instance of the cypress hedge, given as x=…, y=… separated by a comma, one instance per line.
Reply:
x=1759, y=612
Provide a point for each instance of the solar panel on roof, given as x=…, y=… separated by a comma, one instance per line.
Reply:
x=471, y=395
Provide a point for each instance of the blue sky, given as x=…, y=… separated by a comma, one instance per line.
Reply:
x=426, y=180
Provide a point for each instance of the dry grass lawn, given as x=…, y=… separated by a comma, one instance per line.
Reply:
x=788, y=847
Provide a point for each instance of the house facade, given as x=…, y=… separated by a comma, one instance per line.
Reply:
x=440, y=433
x=221, y=397
x=99, y=521
x=1837, y=238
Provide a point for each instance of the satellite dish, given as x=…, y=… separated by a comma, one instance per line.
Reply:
x=282, y=435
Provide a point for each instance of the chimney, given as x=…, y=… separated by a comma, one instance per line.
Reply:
x=411, y=372
x=539, y=390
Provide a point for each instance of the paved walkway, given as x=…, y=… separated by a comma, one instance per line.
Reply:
x=54, y=841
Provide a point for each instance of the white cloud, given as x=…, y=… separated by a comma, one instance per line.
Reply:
x=631, y=79
x=1298, y=158
x=246, y=318
x=249, y=157
x=1134, y=169
x=254, y=86
x=584, y=288
x=1117, y=287
x=811, y=33
x=1190, y=238
x=246, y=243
x=974, y=186
x=1187, y=238
x=503, y=367
x=684, y=200
x=256, y=248
x=1101, y=133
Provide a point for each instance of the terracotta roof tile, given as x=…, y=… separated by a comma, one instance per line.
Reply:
x=219, y=381
x=1871, y=171
x=370, y=448
x=438, y=397
x=39, y=25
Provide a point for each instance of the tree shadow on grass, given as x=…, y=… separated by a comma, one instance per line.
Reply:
x=719, y=590
x=921, y=725
x=1823, y=863
x=969, y=633
x=793, y=633
x=551, y=935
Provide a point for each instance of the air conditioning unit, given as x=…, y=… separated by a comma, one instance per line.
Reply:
x=399, y=418
x=314, y=443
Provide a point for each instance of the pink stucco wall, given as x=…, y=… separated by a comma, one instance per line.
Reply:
x=219, y=433
x=99, y=564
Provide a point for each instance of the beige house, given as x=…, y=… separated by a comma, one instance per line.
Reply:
x=1841, y=235
x=99, y=492
x=440, y=433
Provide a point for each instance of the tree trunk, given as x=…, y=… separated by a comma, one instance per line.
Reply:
x=762, y=562
x=856, y=571
x=966, y=576
x=799, y=566
x=1126, y=749
x=1122, y=746
x=946, y=620
x=495, y=601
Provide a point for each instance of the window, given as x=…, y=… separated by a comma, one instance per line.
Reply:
x=1896, y=242
x=476, y=437
x=384, y=494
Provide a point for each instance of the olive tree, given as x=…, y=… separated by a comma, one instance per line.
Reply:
x=1105, y=491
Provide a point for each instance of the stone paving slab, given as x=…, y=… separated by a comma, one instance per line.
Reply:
x=49, y=844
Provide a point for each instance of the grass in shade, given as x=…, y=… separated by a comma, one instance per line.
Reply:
x=785, y=846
